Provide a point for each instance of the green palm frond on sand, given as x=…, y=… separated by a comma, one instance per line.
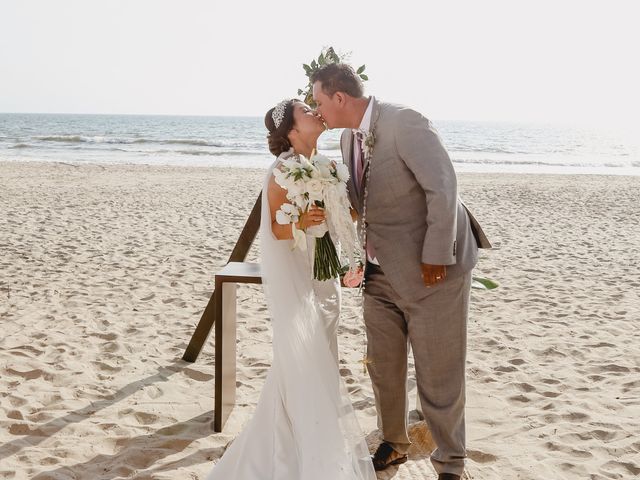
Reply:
x=482, y=283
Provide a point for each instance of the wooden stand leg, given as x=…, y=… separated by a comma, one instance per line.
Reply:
x=225, y=353
x=202, y=331
x=239, y=253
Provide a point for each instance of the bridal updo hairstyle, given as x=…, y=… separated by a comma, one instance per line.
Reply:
x=278, y=137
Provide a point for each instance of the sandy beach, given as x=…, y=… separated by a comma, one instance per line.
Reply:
x=105, y=271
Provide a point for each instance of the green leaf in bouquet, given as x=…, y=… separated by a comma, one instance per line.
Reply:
x=321, y=59
x=300, y=92
x=364, y=77
x=360, y=70
x=482, y=283
x=307, y=68
x=314, y=65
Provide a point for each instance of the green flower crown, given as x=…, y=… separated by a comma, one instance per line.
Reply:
x=327, y=56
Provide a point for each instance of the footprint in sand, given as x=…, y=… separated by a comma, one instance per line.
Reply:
x=20, y=354
x=17, y=401
x=15, y=415
x=22, y=429
x=111, y=347
x=623, y=467
x=525, y=387
x=481, y=457
x=28, y=348
x=505, y=369
x=106, y=367
x=550, y=381
x=198, y=376
x=614, y=368
x=630, y=386
x=109, y=337
x=555, y=447
x=551, y=394
x=145, y=418
x=29, y=375
x=576, y=417
x=153, y=392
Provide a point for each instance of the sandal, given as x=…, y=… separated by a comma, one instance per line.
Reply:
x=381, y=458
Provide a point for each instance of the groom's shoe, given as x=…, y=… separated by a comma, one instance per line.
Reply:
x=386, y=456
x=448, y=476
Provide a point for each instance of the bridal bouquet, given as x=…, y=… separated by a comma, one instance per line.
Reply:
x=321, y=182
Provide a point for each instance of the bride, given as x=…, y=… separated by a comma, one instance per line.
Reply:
x=304, y=426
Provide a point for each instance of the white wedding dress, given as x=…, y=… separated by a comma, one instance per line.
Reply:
x=304, y=426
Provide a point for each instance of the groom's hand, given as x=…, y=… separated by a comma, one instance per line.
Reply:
x=432, y=274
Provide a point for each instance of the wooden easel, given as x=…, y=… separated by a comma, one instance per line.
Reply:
x=221, y=311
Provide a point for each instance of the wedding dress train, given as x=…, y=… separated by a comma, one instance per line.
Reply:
x=304, y=426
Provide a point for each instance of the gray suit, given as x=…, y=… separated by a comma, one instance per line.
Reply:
x=414, y=216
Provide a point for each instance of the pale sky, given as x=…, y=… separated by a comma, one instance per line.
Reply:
x=561, y=60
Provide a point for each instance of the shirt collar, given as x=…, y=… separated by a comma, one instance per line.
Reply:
x=365, y=123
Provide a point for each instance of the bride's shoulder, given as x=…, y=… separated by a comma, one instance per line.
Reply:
x=283, y=159
x=278, y=167
x=288, y=155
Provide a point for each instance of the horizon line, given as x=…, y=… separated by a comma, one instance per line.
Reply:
x=209, y=115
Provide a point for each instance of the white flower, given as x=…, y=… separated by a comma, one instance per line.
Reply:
x=289, y=209
x=315, y=188
x=287, y=214
x=279, y=177
x=343, y=172
x=289, y=164
x=300, y=201
x=295, y=188
x=324, y=170
x=282, y=218
x=321, y=160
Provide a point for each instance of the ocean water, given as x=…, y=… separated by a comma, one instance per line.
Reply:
x=241, y=142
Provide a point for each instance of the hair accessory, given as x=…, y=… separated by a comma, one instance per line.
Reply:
x=278, y=113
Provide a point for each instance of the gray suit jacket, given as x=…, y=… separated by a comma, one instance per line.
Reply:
x=413, y=213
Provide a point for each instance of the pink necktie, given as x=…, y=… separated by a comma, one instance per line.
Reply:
x=359, y=162
x=359, y=171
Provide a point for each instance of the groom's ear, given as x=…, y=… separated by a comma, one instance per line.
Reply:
x=340, y=98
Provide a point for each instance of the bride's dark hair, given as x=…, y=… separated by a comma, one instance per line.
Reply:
x=278, y=137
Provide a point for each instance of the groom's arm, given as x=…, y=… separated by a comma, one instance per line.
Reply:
x=422, y=151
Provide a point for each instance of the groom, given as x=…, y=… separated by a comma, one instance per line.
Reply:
x=421, y=244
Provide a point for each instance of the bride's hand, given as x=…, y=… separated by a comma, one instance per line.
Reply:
x=314, y=216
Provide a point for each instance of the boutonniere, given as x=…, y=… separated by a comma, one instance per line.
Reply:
x=367, y=145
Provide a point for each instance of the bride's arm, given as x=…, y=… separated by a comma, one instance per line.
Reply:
x=277, y=197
